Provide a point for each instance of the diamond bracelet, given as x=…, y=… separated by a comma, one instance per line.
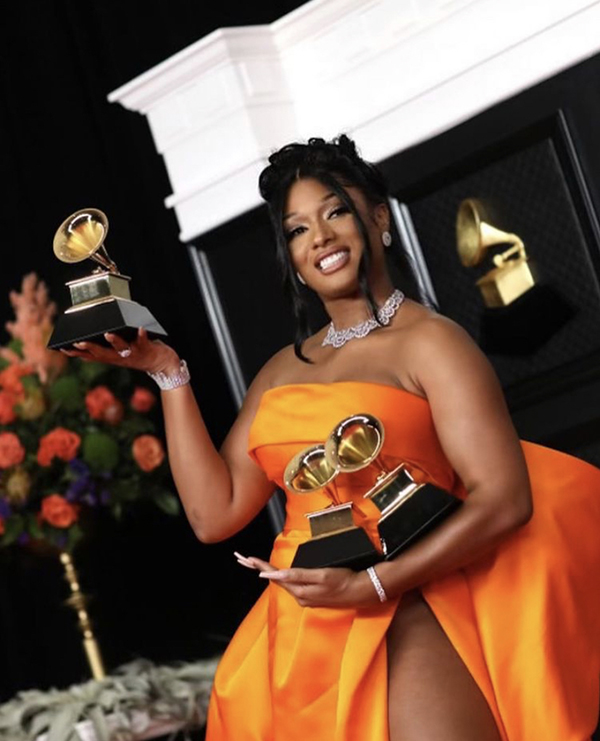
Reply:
x=173, y=381
x=377, y=584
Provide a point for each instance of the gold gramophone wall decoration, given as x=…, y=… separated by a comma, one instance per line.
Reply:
x=408, y=510
x=512, y=274
x=101, y=301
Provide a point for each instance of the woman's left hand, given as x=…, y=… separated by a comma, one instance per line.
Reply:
x=328, y=587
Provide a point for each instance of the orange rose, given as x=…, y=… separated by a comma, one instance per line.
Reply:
x=7, y=407
x=10, y=378
x=98, y=400
x=59, y=443
x=57, y=511
x=142, y=400
x=11, y=451
x=148, y=452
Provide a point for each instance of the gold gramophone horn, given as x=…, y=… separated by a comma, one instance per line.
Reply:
x=81, y=236
x=309, y=470
x=474, y=235
x=354, y=443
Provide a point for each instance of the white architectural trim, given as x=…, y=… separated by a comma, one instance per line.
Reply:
x=392, y=73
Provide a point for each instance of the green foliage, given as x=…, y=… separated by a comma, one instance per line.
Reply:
x=100, y=452
x=72, y=439
x=67, y=392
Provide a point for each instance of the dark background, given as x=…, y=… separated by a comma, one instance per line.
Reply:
x=157, y=592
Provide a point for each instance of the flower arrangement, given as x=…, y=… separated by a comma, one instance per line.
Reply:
x=73, y=435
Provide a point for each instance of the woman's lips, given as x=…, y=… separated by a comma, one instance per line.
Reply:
x=333, y=261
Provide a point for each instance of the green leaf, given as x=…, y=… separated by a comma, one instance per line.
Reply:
x=89, y=372
x=16, y=346
x=33, y=526
x=13, y=527
x=67, y=392
x=100, y=451
x=166, y=501
x=30, y=382
x=74, y=535
x=3, y=363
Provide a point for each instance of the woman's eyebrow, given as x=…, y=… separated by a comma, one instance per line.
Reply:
x=323, y=200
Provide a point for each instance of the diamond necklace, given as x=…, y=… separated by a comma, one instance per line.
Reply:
x=338, y=337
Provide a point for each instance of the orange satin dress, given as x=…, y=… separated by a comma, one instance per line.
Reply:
x=525, y=619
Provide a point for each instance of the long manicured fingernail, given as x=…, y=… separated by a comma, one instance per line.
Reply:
x=80, y=345
x=273, y=575
x=108, y=336
x=238, y=555
x=246, y=565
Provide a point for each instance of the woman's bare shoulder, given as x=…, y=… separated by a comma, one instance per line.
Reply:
x=427, y=330
x=272, y=371
x=433, y=349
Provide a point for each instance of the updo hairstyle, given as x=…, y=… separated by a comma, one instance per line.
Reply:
x=337, y=165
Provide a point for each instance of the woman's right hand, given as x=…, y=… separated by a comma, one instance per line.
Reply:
x=152, y=356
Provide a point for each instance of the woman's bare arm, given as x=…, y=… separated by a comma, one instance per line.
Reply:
x=477, y=435
x=220, y=491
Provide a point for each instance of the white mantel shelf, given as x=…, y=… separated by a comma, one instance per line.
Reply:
x=391, y=73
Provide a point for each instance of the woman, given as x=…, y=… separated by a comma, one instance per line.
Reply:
x=486, y=629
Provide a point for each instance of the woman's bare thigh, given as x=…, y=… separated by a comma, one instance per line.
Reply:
x=432, y=696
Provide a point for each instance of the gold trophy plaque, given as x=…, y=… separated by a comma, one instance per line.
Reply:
x=408, y=510
x=335, y=540
x=101, y=301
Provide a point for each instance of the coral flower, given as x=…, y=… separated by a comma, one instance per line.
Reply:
x=57, y=511
x=59, y=443
x=148, y=452
x=142, y=400
x=7, y=407
x=98, y=400
x=10, y=378
x=11, y=451
x=1, y=526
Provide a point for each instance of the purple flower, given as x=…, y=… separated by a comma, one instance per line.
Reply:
x=77, y=488
x=79, y=467
x=5, y=509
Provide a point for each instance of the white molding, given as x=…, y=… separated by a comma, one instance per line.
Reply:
x=391, y=72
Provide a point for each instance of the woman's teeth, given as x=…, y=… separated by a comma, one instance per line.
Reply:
x=332, y=260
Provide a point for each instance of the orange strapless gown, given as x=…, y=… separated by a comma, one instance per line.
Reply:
x=525, y=619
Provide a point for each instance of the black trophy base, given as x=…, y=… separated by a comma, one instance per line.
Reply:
x=119, y=316
x=414, y=518
x=350, y=549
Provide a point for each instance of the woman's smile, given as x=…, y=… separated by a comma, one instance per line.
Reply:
x=333, y=261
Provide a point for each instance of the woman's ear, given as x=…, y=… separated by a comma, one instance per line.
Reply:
x=381, y=216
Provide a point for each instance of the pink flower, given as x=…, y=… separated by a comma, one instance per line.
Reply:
x=142, y=400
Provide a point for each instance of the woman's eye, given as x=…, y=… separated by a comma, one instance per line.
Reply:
x=295, y=232
x=339, y=211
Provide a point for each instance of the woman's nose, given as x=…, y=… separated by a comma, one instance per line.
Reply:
x=322, y=233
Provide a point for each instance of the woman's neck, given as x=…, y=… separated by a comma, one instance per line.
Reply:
x=349, y=311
